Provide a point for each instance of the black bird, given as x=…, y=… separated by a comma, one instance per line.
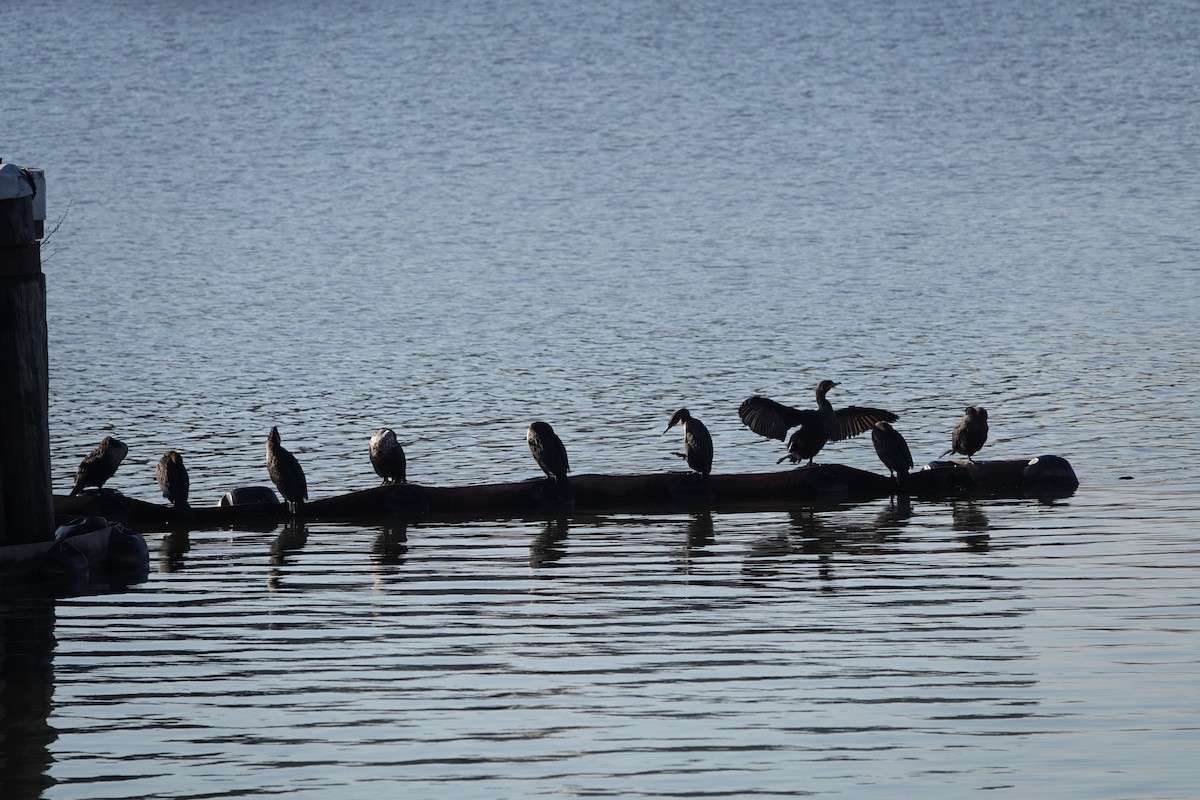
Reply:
x=172, y=477
x=817, y=426
x=892, y=449
x=548, y=451
x=970, y=433
x=697, y=444
x=100, y=464
x=285, y=472
x=387, y=456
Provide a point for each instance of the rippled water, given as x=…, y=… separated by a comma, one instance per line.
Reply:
x=454, y=218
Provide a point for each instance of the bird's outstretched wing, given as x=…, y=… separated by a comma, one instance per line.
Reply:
x=770, y=419
x=853, y=420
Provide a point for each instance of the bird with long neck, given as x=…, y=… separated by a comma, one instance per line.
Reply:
x=816, y=426
x=697, y=443
x=892, y=450
x=286, y=473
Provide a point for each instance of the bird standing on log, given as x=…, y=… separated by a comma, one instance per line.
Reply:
x=172, y=477
x=387, y=457
x=817, y=426
x=697, y=443
x=100, y=464
x=970, y=433
x=285, y=472
x=892, y=449
x=549, y=452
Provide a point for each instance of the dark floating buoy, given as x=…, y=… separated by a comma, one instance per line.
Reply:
x=1050, y=473
x=1043, y=476
x=250, y=496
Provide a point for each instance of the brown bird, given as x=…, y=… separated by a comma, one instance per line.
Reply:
x=816, y=426
x=548, y=451
x=172, y=477
x=100, y=464
x=891, y=448
x=285, y=472
x=697, y=443
x=970, y=433
x=387, y=456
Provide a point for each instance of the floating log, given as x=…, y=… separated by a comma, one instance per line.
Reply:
x=259, y=507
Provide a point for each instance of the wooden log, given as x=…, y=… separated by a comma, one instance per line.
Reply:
x=26, y=505
x=590, y=494
x=825, y=484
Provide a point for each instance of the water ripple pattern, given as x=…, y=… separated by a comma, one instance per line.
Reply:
x=454, y=218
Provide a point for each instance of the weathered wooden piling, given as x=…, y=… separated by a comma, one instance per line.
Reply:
x=26, y=499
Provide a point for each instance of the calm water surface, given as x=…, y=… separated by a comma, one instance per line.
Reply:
x=454, y=218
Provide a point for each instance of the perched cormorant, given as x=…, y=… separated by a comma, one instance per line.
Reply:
x=100, y=464
x=387, y=456
x=285, y=472
x=548, y=451
x=892, y=449
x=697, y=444
x=816, y=426
x=172, y=477
x=970, y=433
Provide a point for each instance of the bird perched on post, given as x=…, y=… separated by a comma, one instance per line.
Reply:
x=970, y=433
x=285, y=472
x=172, y=477
x=100, y=464
x=549, y=452
x=816, y=426
x=387, y=457
x=892, y=449
x=697, y=443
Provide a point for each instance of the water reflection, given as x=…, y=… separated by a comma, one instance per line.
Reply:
x=172, y=550
x=26, y=693
x=700, y=532
x=547, y=547
x=390, y=547
x=698, y=537
x=969, y=519
x=895, y=515
x=291, y=540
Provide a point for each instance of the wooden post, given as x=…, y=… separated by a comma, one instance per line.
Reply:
x=26, y=497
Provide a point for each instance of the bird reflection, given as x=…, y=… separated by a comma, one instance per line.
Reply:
x=292, y=539
x=171, y=550
x=700, y=530
x=895, y=515
x=547, y=547
x=969, y=519
x=699, y=537
x=391, y=545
